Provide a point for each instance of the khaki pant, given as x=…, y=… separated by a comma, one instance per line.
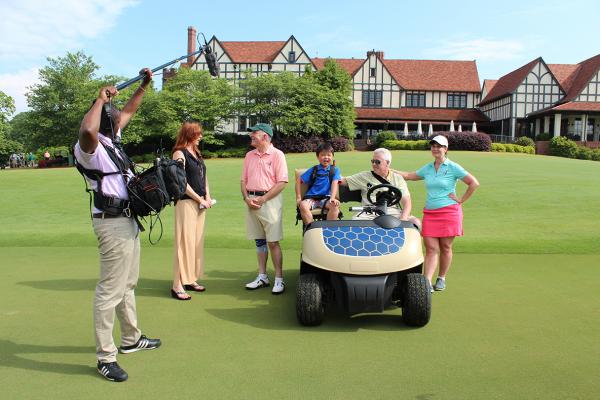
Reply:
x=188, y=259
x=119, y=247
x=267, y=221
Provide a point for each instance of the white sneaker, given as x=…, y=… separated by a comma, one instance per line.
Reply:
x=258, y=283
x=278, y=287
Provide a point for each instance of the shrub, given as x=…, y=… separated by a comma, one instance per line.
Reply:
x=510, y=148
x=596, y=154
x=525, y=141
x=383, y=136
x=303, y=144
x=499, y=147
x=470, y=141
x=583, y=153
x=563, y=147
x=62, y=151
x=529, y=149
x=542, y=137
x=406, y=144
x=143, y=158
x=341, y=143
x=208, y=154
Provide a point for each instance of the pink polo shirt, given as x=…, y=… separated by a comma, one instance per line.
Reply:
x=263, y=170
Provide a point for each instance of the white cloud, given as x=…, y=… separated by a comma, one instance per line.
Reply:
x=32, y=30
x=15, y=85
x=477, y=49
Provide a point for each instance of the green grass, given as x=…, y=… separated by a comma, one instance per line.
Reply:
x=518, y=321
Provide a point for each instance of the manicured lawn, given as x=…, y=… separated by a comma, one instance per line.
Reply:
x=518, y=321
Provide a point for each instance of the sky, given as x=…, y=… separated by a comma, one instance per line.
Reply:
x=124, y=36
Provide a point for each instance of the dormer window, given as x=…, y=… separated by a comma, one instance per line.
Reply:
x=372, y=72
x=292, y=57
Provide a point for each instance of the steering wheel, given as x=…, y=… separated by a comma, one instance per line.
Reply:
x=389, y=194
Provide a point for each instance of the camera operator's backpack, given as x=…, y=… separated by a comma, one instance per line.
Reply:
x=149, y=191
x=157, y=186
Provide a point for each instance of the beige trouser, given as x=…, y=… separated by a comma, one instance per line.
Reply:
x=267, y=221
x=188, y=260
x=119, y=246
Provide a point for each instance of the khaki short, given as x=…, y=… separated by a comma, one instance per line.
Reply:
x=267, y=221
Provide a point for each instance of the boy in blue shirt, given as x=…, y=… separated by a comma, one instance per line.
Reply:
x=322, y=181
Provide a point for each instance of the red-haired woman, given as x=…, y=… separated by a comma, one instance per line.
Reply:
x=190, y=212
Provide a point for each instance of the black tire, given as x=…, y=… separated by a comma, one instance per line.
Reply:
x=309, y=300
x=416, y=302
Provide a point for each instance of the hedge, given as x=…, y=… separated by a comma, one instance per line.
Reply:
x=561, y=146
x=303, y=144
x=406, y=144
x=512, y=148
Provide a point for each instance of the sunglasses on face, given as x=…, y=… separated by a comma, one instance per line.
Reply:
x=376, y=162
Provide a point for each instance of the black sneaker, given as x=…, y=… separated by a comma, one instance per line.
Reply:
x=112, y=371
x=143, y=343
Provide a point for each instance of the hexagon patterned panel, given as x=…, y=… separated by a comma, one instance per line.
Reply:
x=363, y=241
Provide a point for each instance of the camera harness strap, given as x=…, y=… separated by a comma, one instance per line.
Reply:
x=96, y=175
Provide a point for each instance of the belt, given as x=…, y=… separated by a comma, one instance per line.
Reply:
x=103, y=215
x=256, y=193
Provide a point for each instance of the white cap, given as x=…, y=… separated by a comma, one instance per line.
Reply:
x=439, y=139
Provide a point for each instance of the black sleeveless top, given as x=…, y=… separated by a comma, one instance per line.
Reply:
x=195, y=173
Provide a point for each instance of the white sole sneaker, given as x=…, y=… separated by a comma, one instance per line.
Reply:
x=278, y=289
x=257, y=284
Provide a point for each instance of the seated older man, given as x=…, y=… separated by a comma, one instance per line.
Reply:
x=382, y=173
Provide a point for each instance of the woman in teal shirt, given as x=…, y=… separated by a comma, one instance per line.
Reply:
x=442, y=215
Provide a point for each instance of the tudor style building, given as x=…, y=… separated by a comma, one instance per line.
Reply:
x=409, y=95
x=558, y=99
x=401, y=95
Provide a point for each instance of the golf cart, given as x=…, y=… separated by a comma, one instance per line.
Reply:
x=363, y=266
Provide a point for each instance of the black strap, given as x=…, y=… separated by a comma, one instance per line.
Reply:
x=380, y=179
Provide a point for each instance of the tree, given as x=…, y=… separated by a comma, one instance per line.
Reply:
x=67, y=87
x=7, y=108
x=339, y=122
x=194, y=95
x=263, y=96
x=20, y=129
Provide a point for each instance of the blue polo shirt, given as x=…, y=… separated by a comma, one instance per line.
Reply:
x=321, y=186
x=441, y=183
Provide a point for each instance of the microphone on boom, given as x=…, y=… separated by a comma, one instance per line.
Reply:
x=211, y=60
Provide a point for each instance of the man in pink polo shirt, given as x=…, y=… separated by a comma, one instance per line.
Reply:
x=263, y=179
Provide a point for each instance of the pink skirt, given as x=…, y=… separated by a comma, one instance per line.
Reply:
x=443, y=222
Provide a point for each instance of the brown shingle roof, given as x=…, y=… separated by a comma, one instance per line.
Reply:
x=460, y=76
x=578, y=106
x=252, y=52
x=488, y=84
x=424, y=114
x=564, y=73
x=587, y=69
x=509, y=82
x=351, y=65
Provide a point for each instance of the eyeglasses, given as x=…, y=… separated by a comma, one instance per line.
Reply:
x=376, y=162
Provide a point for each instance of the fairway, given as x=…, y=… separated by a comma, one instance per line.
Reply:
x=519, y=319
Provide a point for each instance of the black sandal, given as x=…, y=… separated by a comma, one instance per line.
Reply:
x=177, y=295
x=195, y=287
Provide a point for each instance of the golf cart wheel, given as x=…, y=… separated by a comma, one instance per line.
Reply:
x=416, y=304
x=309, y=300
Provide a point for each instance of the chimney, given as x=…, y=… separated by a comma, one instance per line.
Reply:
x=377, y=53
x=191, y=44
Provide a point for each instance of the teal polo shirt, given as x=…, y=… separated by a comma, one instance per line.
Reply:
x=441, y=183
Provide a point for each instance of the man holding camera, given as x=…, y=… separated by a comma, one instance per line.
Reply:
x=116, y=230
